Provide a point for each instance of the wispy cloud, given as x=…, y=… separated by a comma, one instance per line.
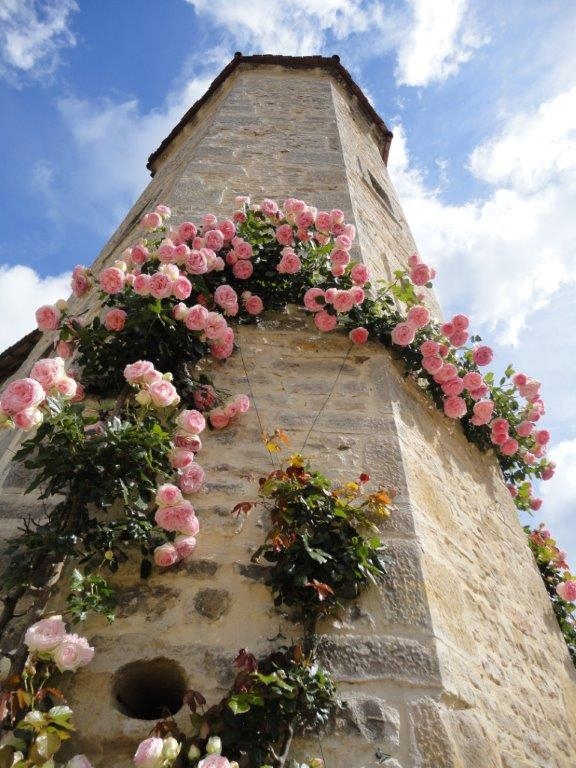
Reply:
x=32, y=34
x=516, y=243
x=22, y=291
x=438, y=39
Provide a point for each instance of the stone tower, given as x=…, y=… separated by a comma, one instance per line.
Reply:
x=456, y=661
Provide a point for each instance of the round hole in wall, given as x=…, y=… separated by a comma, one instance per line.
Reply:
x=149, y=689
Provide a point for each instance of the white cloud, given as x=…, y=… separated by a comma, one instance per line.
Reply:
x=516, y=247
x=441, y=37
x=533, y=150
x=112, y=142
x=22, y=291
x=32, y=34
x=296, y=28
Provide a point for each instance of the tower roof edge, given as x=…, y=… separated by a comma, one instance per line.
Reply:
x=330, y=63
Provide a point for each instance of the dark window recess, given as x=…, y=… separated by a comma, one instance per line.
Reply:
x=382, y=194
x=149, y=689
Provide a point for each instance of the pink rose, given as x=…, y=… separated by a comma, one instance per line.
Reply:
x=197, y=317
x=225, y=296
x=447, y=329
x=65, y=349
x=324, y=321
x=420, y=274
x=166, y=555
x=185, y=546
x=243, y=269
x=214, y=239
x=403, y=334
x=242, y=249
x=567, y=590
x=340, y=258
x=323, y=221
x=454, y=407
x=453, y=387
x=509, y=447
x=112, y=280
x=191, y=421
x=136, y=372
x=482, y=355
x=314, y=299
x=196, y=263
x=289, y=264
x=359, y=274
x=253, y=305
x=535, y=504
x=472, y=380
x=183, y=439
x=218, y=418
x=181, y=458
x=168, y=495
x=284, y=234
x=28, y=419
x=72, y=652
x=151, y=221
x=80, y=281
x=187, y=230
x=45, y=635
x=192, y=479
x=139, y=255
x=180, y=517
x=269, y=207
x=48, y=317
x=228, y=228
x=432, y=364
x=115, y=320
x=306, y=219
x=429, y=348
x=181, y=288
x=163, y=394
x=418, y=316
x=48, y=371
x=20, y=395
x=343, y=301
x=542, y=436
x=160, y=285
x=141, y=285
x=460, y=322
x=483, y=410
x=459, y=338
x=215, y=326
x=358, y=335
x=548, y=471
x=149, y=753
x=67, y=387
x=446, y=373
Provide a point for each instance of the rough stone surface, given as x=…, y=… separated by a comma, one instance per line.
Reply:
x=212, y=603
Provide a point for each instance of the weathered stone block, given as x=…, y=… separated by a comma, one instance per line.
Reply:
x=212, y=603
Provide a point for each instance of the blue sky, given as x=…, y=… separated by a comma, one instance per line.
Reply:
x=481, y=97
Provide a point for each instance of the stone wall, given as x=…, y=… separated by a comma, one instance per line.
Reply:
x=455, y=660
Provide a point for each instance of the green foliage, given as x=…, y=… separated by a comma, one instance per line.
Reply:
x=90, y=592
x=318, y=556
x=269, y=700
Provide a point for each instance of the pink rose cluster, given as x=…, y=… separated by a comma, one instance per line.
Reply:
x=175, y=515
x=404, y=333
x=212, y=326
x=420, y=273
x=21, y=400
x=456, y=330
x=328, y=304
x=49, y=640
x=154, y=387
x=222, y=416
x=187, y=443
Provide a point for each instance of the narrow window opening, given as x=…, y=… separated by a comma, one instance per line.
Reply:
x=382, y=194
